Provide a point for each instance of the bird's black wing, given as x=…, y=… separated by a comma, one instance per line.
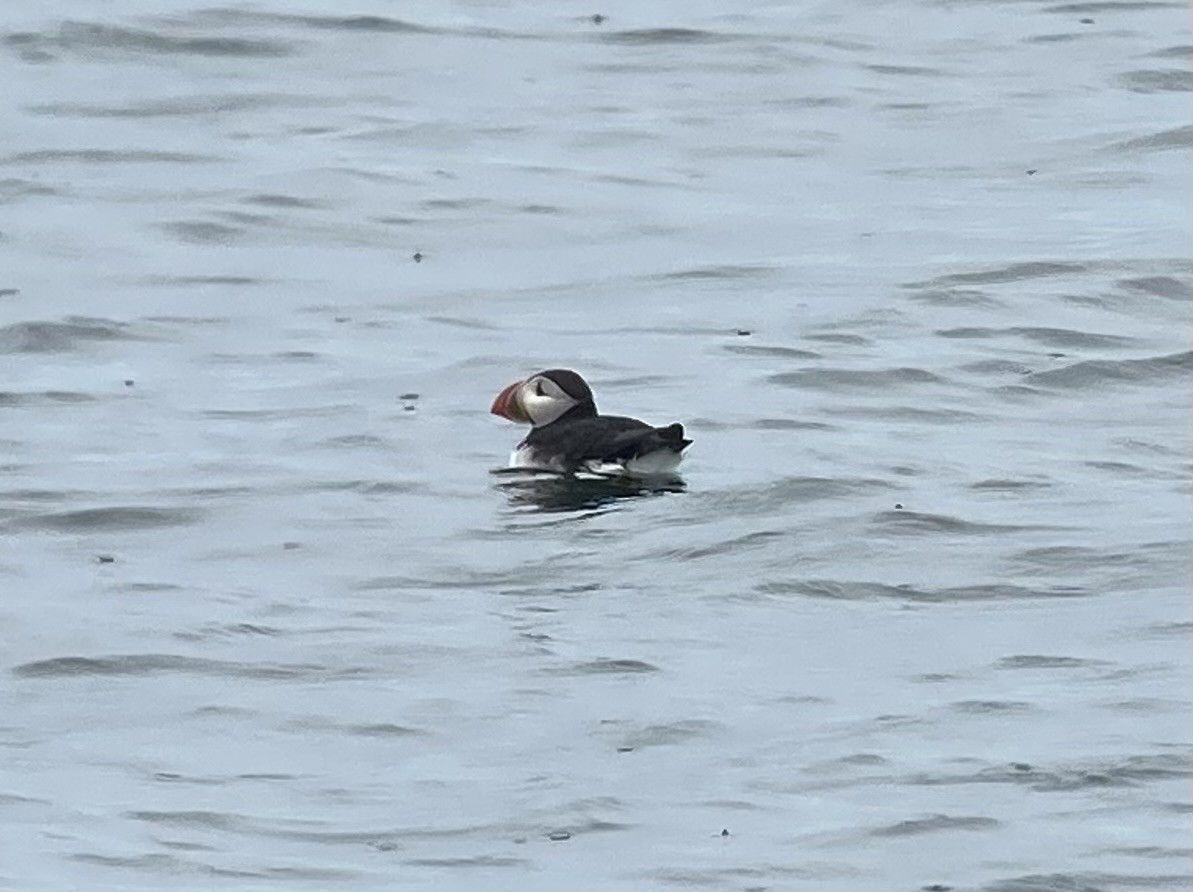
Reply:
x=606, y=438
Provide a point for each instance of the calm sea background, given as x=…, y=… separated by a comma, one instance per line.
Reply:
x=916, y=277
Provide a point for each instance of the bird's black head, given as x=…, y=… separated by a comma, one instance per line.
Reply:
x=570, y=383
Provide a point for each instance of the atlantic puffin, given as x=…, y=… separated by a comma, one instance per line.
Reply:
x=568, y=435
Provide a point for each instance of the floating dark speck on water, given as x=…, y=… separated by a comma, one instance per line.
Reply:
x=1057, y=355
x=128, y=382
x=1032, y=171
x=724, y=831
x=343, y=318
x=9, y=292
x=625, y=749
x=105, y=558
x=898, y=506
x=937, y=887
x=597, y=18
x=417, y=256
x=1086, y=21
x=1021, y=766
x=558, y=835
x=742, y=332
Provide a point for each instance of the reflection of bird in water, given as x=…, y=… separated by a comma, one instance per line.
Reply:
x=554, y=493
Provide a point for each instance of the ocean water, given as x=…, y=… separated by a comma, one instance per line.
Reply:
x=915, y=276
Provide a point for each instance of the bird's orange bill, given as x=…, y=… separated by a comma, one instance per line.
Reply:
x=507, y=404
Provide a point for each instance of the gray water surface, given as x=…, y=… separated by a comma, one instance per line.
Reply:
x=915, y=276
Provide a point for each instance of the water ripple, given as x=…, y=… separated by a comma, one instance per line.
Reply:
x=1092, y=373
x=841, y=590
x=656, y=36
x=61, y=336
x=917, y=523
x=936, y=824
x=159, y=664
x=89, y=37
x=999, y=275
x=120, y=517
x=1051, y=337
x=874, y=380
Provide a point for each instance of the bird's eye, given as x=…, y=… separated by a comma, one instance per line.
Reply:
x=538, y=388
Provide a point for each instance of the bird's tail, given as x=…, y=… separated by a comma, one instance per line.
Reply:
x=672, y=436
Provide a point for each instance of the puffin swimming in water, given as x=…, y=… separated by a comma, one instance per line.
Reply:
x=567, y=435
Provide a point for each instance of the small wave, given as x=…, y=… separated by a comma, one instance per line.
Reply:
x=1178, y=629
x=729, y=546
x=917, y=522
x=1127, y=772
x=1160, y=286
x=15, y=189
x=278, y=200
x=1093, y=6
x=1178, y=51
x=200, y=282
x=178, y=106
x=770, y=352
x=373, y=729
x=203, y=232
x=653, y=36
x=784, y=424
x=160, y=664
x=1085, y=881
x=870, y=591
x=1097, y=372
x=106, y=156
x=906, y=70
x=911, y=413
x=11, y=399
x=605, y=667
x=725, y=271
x=935, y=824
x=375, y=24
x=855, y=379
x=1157, y=80
x=1042, y=661
x=839, y=337
x=123, y=517
x=60, y=337
x=1015, y=272
x=483, y=862
x=92, y=36
x=670, y=733
x=955, y=297
x=1003, y=484
x=365, y=487
x=159, y=863
x=990, y=707
x=999, y=368
x=1068, y=558
x=756, y=500
x=1160, y=141
x=1051, y=337
x=229, y=630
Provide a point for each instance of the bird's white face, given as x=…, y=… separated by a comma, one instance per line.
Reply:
x=536, y=401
